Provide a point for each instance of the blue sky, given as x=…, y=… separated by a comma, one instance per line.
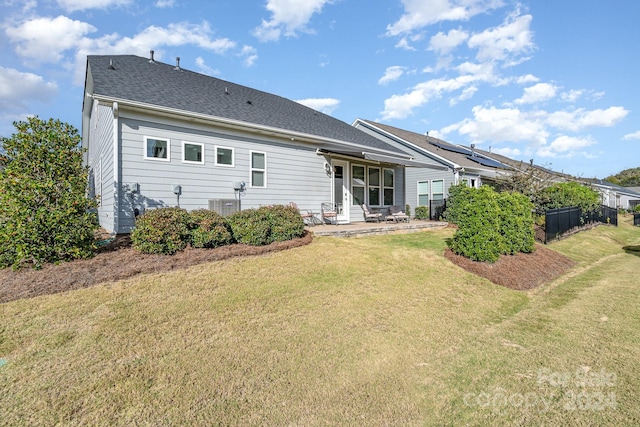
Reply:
x=551, y=81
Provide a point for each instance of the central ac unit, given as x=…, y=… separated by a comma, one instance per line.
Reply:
x=224, y=207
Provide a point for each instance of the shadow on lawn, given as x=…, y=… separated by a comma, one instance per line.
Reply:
x=633, y=250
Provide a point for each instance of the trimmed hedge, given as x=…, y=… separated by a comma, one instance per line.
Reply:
x=162, y=231
x=266, y=225
x=209, y=229
x=490, y=224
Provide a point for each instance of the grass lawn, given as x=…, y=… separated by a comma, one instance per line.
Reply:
x=380, y=330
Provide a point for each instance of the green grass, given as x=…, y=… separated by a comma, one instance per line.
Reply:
x=371, y=331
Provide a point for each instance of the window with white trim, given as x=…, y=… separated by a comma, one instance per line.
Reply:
x=258, y=169
x=358, y=184
x=388, y=186
x=374, y=186
x=437, y=189
x=157, y=149
x=423, y=193
x=192, y=152
x=224, y=156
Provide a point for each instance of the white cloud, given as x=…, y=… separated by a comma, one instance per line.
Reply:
x=250, y=55
x=632, y=136
x=16, y=88
x=421, y=13
x=572, y=96
x=565, y=146
x=392, y=74
x=204, y=68
x=537, y=93
x=165, y=3
x=505, y=42
x=579, y=119
x=287, y=18
x=445, y=43
x=74, y=5
x=46, y=39
x=529, y=78
x=466, y=94
x=506, y=151
x=324, y=105
x=502, y=125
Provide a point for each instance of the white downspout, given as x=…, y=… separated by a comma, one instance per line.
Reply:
x=116, y=172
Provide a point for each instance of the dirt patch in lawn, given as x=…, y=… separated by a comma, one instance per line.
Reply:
x=520, y=271
x=118, y=260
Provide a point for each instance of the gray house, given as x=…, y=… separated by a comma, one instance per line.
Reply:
x=449, y=164
x=159, y=135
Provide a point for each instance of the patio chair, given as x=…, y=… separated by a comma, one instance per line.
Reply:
x=307, y=215
x=328, y=213
x=397, y=214
x=370, y=216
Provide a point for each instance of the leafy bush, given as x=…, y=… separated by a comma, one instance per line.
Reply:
x=422, y=212
x=407, y=209
x=209, y=229
x=637, y=209
x=566, y=194
x=266, y=225
x=477, y=215
x=161, y=231
x=516, y=222
x=45, y=215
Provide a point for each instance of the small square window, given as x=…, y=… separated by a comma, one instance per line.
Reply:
x=157, y=149
x=192, y=152
x=224, y=156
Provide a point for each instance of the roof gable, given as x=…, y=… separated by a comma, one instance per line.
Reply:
x=140, y=80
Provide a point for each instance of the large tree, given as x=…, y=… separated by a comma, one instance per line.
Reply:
x=45, y=214
x=626, y=178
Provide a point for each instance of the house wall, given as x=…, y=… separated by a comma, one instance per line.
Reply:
x=100, y=161
x=294, y=172
x=413, y=175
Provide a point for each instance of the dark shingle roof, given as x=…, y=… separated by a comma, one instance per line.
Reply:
x=441, y=148
x=133, y=78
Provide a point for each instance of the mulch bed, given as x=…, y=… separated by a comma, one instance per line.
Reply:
x=118, y=260
x=520, y=271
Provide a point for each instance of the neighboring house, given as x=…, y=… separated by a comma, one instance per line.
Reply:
x=614, y=195
x=159, y=135
x=458, y=164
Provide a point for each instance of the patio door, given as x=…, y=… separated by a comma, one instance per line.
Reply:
x=341, y=194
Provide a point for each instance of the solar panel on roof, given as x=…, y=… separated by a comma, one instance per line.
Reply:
x=452, y=148
x=487, y=162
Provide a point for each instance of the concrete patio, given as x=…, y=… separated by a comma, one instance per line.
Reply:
x=360, y=229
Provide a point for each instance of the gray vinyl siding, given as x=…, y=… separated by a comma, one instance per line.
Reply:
x=414, y=174
x=100, y=162
x=294, y=172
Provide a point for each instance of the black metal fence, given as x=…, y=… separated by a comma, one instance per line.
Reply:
x=437, y=208
x=636, y=219
x=561, y=220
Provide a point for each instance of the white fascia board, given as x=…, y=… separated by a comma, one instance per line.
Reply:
x=238, y=124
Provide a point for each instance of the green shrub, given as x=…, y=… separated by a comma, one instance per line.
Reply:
x=45, y=214
x=422, y=212
x=637, y=209
x=566, y=194
x=209, y=229
x=477, y=214
x=266, y=225
x=161, y=231
x=516, y=222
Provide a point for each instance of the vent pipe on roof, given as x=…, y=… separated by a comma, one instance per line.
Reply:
x=111, y=67
x=473, y=150
x=151, y=60
x=531, y=162
x=177, y=63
